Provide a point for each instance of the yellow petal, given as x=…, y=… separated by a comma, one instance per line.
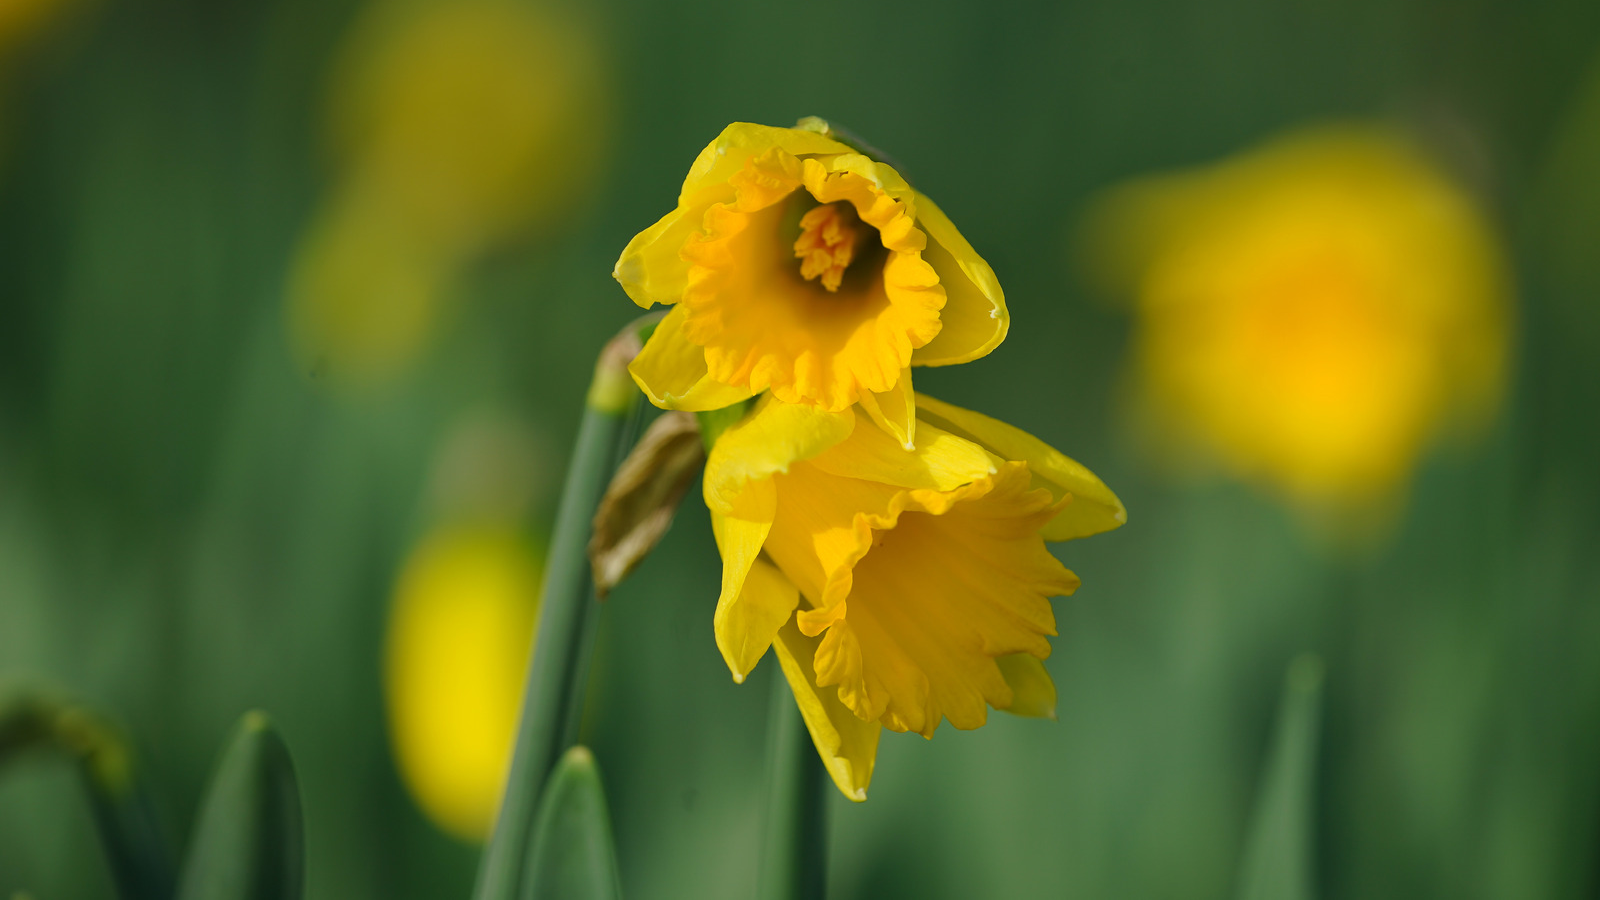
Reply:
x=1033, y=694
x=1093, y=508
x=671, y=371
x=767, y=442
x=739, y=489
x=848, y=745
x=825, y=525
x=650, y=268
x=738, y=142
x=740, y=535
x=940, y=461
x=746, y=625
x=895, y=410
x=881, y=174
x=950, y=582
x=974, y=317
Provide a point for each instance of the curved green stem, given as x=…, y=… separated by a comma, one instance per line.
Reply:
x=552, y=700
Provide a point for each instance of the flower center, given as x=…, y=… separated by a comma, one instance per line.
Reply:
x=829, y=236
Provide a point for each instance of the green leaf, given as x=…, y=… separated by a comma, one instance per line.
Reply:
x=552, y=698
x=124, y=815
x=571, y=856
x=1277, y=849
x=249, y=840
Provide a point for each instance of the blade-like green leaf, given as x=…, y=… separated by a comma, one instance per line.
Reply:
x=124, y=815
x=249, y=839
x=1277, y=850
x=571, y=856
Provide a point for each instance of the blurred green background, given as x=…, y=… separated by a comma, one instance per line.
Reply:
x=205, y=501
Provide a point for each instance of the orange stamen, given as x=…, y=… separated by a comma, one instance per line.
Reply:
x=828, y=238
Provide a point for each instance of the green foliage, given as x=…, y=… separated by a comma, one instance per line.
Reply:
x=571, y=856
x=39, y=723
x=794, y=837
x=1277, y=861
x=249, y=839
x=553, y=701
x=193, y=521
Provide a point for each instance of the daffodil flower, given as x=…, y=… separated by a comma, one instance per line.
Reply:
x=797, y=264
x=1312, y=313
x=889, y=547
x=899, y=587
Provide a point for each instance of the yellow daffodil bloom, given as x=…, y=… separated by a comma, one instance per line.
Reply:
x=900, y=587
x=799, y=265
x=1314, y=311
x=459, y=636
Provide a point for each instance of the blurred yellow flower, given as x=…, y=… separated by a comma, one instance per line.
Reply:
x=367, y=288
x=24, y=25
x=798, y=264
x=456, y=125
x=20, y=20
x=460, y=631
x=1313, y=312
x=899, y=587
x=469, y=118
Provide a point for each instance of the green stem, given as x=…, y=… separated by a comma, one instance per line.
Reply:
x=1277, y=863
x=124, y=816
x=794, y=850
x=552, y=699
x=627, y=435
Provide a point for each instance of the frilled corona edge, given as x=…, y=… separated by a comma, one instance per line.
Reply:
x=900, y=587
x=799, y=266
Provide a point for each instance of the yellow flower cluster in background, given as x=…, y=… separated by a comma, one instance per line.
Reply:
x=457, y=124
x=889, y=547
x=1311, y=313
